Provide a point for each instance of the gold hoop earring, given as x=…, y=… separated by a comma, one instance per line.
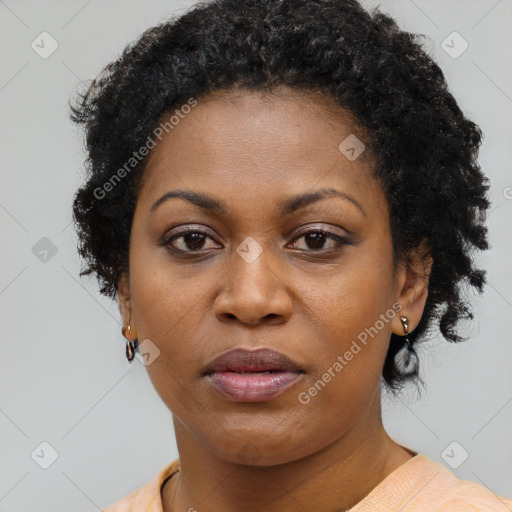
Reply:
x=131, y=347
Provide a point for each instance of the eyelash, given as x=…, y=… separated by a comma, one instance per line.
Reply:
x=341, y=241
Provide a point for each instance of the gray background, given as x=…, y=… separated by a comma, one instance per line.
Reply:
x=64, y=378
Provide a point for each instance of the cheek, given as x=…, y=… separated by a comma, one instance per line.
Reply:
x=346, y=362
x=166, y=313
x=352, y=315
x=349, y=300
x=164, y=295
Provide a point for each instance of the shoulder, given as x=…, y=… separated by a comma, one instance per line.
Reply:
x=422, y=484
x=470, y=496
x=147, y=497
x=444, y=492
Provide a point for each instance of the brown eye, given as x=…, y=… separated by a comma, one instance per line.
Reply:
x=188, y=241
x=315, y=240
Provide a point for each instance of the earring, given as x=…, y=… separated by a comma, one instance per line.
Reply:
x=406, y=359
x=131, y=347
x=405, y=324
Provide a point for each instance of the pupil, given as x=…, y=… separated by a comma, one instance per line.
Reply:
x=318, y=240
x=194, y=241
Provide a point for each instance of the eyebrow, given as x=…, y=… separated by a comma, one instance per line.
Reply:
x=288, y=206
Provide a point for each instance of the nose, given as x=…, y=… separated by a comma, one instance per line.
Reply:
x=253, y=293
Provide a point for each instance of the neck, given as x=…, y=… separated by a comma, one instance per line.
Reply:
x=332, y=479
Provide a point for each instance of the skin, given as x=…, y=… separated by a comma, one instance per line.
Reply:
x=251, y=151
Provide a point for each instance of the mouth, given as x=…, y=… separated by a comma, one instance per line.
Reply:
x=258, y=375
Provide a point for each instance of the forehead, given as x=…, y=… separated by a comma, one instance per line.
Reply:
x=248, y=141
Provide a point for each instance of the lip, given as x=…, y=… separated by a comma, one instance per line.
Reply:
x=255, y=375
x=252, y=360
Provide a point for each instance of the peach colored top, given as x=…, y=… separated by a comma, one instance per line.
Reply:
x=418, y=485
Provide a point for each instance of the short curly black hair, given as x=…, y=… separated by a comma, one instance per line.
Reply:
x=425, y=149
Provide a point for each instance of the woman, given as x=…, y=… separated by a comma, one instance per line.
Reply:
x=284, y=198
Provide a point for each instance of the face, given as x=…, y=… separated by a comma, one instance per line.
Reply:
x=250, y=265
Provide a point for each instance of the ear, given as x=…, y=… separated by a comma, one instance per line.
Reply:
x=411, y=286
x=125, y=304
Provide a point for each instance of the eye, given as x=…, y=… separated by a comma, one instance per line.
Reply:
x=195, y=240
x=315, y=240
x=187, y=241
